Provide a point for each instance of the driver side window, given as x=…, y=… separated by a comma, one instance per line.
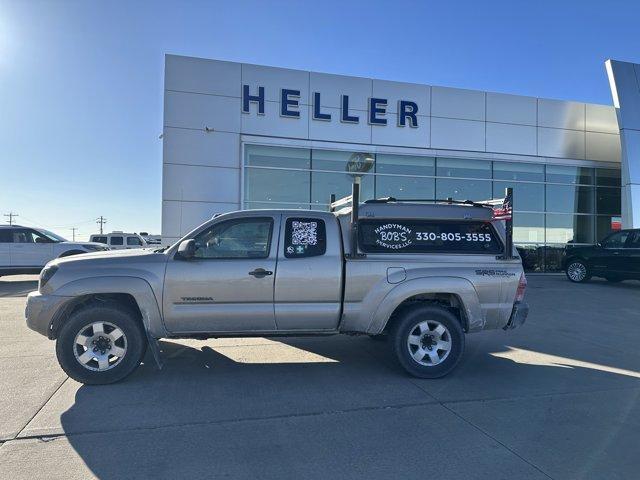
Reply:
x=617, y=240
x=28, y=236
x=240, y=238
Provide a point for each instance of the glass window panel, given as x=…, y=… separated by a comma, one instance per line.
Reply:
x=532, y=257
x=569, y=199
x=608, y=177
x=405, y=165
x=341, y=161
x=263, y=205
x=526, y=196
x=324, y=184
x=606, y=225
x=304, y=237
x=239, y=238
x=266, y=185
x=463, y=168
x=616, y=240
x=528, y=227
x=553, y=258
x=569, y=174
x=405, y=187
x=530, y=172
x=264, y=156
x=569, y=228
x=463, y=189
x=608, y=200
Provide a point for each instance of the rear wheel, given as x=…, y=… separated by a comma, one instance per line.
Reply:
x=101, y=344
x=578, y=271
x=428, y=341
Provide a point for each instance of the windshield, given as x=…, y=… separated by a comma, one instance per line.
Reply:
x=51, y=236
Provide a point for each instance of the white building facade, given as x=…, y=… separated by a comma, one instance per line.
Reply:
x=248, y=136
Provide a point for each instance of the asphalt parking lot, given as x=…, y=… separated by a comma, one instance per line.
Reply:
x=559, y=398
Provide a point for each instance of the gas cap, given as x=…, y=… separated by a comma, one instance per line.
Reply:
x=396, y=274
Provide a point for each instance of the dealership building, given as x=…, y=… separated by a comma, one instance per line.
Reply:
x=248, y=136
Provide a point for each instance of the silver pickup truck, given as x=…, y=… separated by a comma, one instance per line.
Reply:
x=421, y=274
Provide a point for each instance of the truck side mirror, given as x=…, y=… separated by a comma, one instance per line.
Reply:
x=187, y=249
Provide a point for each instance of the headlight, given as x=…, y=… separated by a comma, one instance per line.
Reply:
x=95, y=248
x=46, y=274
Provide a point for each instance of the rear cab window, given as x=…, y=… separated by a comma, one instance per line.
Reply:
x=428, y=236
x=99, y=239
x=304, y=237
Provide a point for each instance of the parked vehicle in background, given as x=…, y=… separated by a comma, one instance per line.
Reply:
x=120, y=240
x=152, y=240
x=421, y=274
x=26, y=250
x=615, y=258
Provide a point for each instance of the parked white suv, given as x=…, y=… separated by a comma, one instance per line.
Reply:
x=120, y=240
x=25, y=250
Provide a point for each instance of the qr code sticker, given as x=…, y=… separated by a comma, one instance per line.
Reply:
x=304, y=233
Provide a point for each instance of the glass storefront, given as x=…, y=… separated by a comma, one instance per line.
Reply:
x=553, y=204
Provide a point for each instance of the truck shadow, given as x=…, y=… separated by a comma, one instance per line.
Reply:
x=19, y=288
x=192, y=417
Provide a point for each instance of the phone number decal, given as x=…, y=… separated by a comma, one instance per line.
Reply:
x=452, y=237
x=395, y=236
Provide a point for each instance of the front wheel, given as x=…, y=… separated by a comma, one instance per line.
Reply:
x=578, y=271
x=101, y=344
x=428, y=341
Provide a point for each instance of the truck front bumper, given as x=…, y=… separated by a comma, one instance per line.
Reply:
x=518, y=315
x=40, y=311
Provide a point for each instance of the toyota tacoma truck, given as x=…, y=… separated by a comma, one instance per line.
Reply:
x=422, y=274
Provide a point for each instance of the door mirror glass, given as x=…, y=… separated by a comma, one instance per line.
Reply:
x=41, y=240
x=187, y=249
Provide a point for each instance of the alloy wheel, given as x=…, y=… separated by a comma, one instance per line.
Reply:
x=429, y=343
x=100, y=346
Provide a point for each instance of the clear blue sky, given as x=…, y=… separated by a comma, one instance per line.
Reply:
x=81, y=81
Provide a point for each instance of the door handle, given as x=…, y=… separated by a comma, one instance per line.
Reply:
x=616, y=253
x=260, y=272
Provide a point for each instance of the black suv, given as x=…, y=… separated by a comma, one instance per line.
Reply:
x=616, y=258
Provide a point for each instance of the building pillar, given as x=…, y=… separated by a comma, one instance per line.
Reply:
x=624, y=80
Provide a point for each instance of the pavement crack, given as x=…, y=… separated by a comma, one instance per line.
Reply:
x=41, y=407
x=509, y=449
x=232, y=421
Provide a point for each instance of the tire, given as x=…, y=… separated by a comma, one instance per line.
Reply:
x=410, y=336
x=121, y=332
x=578, y=271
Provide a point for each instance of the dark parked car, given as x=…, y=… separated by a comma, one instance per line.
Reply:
x=616, y=258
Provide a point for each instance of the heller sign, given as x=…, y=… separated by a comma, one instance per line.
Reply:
x=290, y=101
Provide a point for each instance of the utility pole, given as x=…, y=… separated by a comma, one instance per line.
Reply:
x=101, y=221
x=10, y=216
x=73, y=229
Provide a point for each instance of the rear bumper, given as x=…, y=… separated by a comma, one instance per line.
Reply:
x=518, y=315
x=40, y=311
